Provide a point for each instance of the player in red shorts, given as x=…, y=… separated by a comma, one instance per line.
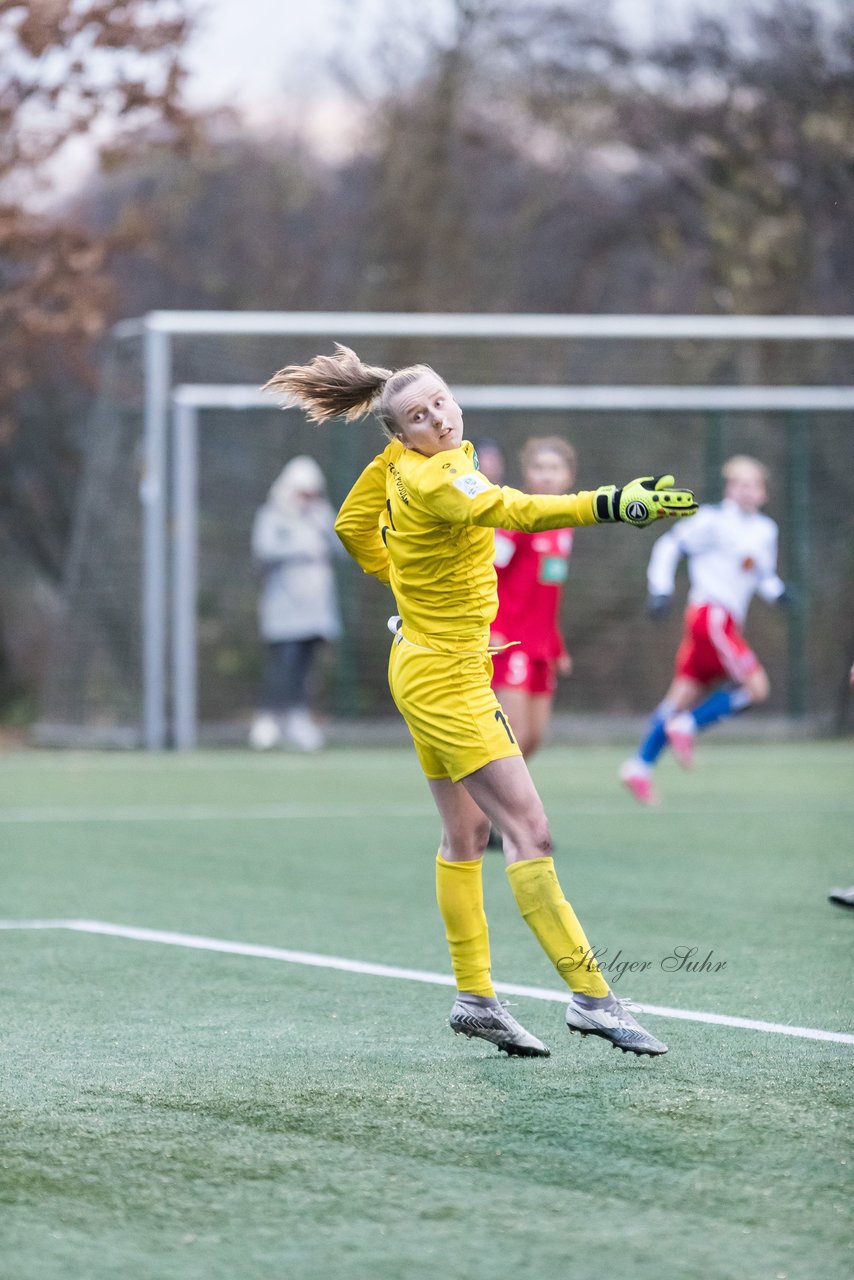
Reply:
x=731, y=549
x=532, y=568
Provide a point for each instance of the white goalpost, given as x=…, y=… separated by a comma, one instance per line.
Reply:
x=169, y=480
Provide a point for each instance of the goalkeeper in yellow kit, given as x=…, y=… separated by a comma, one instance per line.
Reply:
x=421, y=517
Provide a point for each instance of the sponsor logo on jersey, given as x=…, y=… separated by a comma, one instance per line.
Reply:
x=398, y=483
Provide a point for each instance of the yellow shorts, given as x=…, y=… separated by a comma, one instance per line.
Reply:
x=450, y=708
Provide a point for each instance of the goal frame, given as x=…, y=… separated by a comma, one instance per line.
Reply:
x=182, y=404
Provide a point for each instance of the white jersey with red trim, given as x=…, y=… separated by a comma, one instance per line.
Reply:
x=732, y=555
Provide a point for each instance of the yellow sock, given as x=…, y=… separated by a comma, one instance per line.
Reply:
x=555, y=925
x=459, y=892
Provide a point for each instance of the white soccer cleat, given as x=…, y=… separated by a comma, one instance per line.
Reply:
x=264, y=732
x=615, y=1024
x=495, y=1024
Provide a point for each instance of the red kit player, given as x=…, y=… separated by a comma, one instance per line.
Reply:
x=532, y=568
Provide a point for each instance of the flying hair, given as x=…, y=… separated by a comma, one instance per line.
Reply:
x=342, y=386
x=338, y=386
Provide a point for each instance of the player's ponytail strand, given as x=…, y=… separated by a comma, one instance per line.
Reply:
x=337, y=386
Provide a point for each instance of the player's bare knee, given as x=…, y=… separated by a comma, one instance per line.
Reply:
x=541, y=839
x=526, y=837
x=544, y=844
x=460, y=844
x=480, y=835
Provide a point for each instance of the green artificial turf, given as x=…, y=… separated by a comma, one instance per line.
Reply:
x=179, y=1113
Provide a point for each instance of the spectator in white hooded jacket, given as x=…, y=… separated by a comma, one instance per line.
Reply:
x=293, y=542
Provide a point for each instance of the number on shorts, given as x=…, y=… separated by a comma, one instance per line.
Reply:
x=499, y=715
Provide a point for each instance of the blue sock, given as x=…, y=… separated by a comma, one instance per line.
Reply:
x=655, y=740
x=719, y=705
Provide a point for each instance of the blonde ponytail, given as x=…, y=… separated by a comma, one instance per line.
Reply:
x=338, y=386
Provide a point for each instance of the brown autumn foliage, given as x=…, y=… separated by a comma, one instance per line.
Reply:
x=104, y=73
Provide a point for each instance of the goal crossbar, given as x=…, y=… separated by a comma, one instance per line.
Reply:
x=453, y=324
x=758, y=399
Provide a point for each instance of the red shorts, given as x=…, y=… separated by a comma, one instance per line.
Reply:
x=516, y=669
x=713, y=648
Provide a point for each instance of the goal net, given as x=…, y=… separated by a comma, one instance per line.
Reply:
x=158, y=639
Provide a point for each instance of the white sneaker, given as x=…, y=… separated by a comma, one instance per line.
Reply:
x=302, y=732
x=264, y=732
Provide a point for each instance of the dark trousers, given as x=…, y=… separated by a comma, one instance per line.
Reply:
x=287, y=670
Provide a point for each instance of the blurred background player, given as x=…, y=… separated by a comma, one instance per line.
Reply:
x=532, y=568
x=293, y=542
x=490, y=460
x=731, y=548
x=421, y=517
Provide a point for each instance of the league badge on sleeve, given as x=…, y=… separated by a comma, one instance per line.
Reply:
x=472, y=484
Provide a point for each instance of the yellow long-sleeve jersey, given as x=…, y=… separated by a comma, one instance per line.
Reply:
x=424, y=525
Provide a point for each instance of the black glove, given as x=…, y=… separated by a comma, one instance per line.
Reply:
x=658, y=606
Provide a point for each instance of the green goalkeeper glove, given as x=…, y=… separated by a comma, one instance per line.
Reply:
x=640, y=502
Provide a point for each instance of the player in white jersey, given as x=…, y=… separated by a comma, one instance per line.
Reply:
x=731, y=550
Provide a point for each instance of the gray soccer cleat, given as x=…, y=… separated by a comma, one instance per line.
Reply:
x=495, y=1024
x=614, y=1024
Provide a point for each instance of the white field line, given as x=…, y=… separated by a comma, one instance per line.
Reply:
x=27, y=815
x=198, y=943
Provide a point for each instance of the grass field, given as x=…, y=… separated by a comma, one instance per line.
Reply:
x=169, y=1111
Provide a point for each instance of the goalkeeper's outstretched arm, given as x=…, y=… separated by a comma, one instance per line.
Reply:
x=471, y=499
